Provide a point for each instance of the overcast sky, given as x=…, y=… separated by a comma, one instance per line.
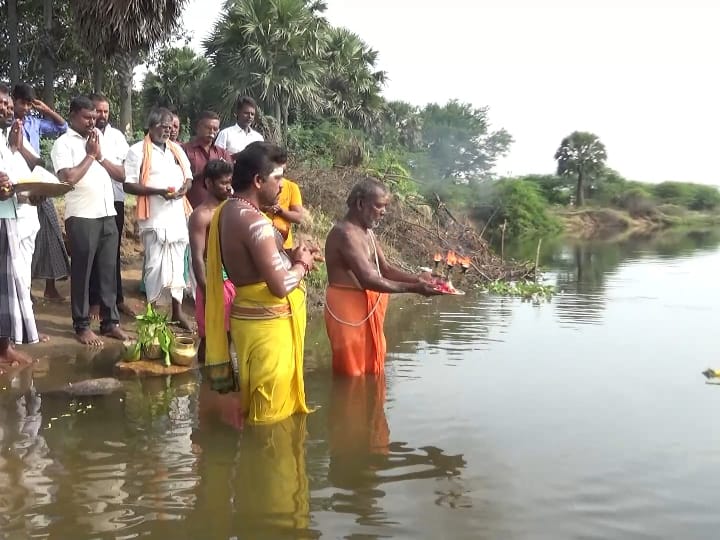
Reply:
x=641, y=74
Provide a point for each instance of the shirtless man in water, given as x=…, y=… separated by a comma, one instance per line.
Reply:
x=359, y=281
x=218, y=185
x=268, y=315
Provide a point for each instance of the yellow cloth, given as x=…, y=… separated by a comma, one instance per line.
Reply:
x=143, y=202
x=268, y=334
x=217, y=351
x=289, y=196
x=274, y=493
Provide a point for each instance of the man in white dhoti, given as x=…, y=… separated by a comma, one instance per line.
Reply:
x=158, y=172
x=17, y=319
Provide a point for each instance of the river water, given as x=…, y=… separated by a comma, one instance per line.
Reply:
x=586, y=417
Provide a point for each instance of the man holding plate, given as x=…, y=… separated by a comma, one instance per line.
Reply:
x=17, y=319
x=359, y=281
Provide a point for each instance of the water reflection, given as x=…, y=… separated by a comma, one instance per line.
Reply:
x=582, y=270
x=363, y=459
x=453, y=440
x=24, y=458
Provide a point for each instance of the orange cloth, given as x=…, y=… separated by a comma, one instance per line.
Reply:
x=289, y=196
x=357, y=424
x=357, y=338
x=143, y=202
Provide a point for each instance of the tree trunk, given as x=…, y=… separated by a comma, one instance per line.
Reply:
x=580, y=191
x=285, y=122
x=48, y=55
x=125, y=65
x=13, y=45
x=98, y=75
x=278, y=112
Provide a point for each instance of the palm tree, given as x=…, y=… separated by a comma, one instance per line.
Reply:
x=122, y=30
x=580, y=154
x=352, y=86
x=269, y=49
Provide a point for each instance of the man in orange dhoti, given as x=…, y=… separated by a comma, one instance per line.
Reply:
x=359, y=281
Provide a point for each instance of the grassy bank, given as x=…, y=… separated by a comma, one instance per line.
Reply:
x=602, y=223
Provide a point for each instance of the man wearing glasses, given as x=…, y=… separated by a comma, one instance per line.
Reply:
x=158, y=172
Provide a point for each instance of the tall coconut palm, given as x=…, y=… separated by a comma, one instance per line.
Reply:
x=269, y=49
x=580, y=154
x=352, y=85
x=121, y=30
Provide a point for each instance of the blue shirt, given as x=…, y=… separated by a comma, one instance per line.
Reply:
x=36, y=127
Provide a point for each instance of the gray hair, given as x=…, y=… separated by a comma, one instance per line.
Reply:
x=157, y=116
x=364, y=189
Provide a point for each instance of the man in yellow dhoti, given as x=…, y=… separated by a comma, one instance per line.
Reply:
x=268, y=316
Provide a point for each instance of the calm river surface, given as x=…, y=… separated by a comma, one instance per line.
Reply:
x=586, y=417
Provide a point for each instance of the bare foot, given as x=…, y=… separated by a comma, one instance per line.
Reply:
x=94, y=313
x=126, y=310
x=89, y=338
x=44, y=338
x=51, y=292
x=11, y=357
x=183, y=322
x=115, y=332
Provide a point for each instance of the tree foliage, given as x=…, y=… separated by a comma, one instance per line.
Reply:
x=520, y=205
x=269, y=49
x=458, y=143
x=581, y=155
x=351, y=84
x=177, y=81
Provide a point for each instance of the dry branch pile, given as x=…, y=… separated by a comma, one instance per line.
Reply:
x=412, y=231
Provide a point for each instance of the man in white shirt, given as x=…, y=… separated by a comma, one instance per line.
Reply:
x=235, y=138
x=115, y=148
x=78, y=159
x=158, y=172
x=17, y=318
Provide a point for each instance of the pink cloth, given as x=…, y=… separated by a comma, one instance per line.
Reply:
x=228, y=295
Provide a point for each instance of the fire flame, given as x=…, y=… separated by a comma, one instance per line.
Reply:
x=465, y=262
x=451, y=258
x=438, y=257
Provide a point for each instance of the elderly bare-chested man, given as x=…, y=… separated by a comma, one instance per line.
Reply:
x=359, y=281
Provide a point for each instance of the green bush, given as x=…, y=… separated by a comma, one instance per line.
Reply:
x=692, y=196
x=327, y=145
x=705, y=198
x=555, y=189
x=521, y=204
x=637, y=201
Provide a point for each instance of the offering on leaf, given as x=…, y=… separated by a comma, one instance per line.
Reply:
x=446, y=287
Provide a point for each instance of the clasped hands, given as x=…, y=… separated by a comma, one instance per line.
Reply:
x=307, y=254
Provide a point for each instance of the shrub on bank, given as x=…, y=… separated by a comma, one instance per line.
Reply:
x=518, y=203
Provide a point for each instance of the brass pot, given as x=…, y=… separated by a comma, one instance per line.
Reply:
x=183, y=351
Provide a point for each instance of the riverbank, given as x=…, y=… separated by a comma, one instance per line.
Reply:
x=605, y=223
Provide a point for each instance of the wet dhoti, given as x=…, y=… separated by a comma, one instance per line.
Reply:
x=354, y=320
